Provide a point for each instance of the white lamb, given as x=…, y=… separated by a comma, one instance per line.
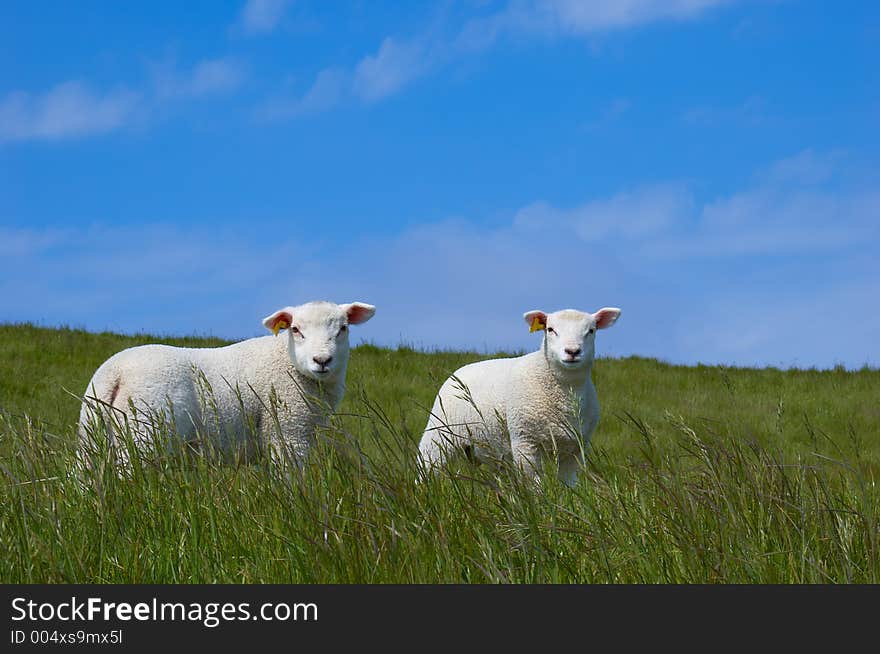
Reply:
x=529, y=408
x=263, y=392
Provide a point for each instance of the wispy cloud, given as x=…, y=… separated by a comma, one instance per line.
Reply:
x=24, y=242
x=555, y=18
x=375, y=77
x=207, y=77
x=72, y=109
x=808, y=167
x=393, y=66
x=330, y=86
x=638, y=214
x=261, y=16
x=68, y=110
x=793, y=207
x=401, y=60
x=582, y=17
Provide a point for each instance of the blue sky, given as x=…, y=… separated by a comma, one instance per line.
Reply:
x=708, y=166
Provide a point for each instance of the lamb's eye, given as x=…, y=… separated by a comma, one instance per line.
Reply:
x=295, y=330
x=343, y=329
x=550, y=330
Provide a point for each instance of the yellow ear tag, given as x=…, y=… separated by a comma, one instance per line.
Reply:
x=536, y=326
x=278, y=326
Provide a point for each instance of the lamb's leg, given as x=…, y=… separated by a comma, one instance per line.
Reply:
x=527, y=458
x=281, y=444
x=435, y=449
x=288, y=456
x=103, y=424
x=569, y=466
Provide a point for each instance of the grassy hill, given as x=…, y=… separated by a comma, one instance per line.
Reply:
x=696, y=474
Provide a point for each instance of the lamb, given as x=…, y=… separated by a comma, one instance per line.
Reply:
x=265, y=392
x=527, y=408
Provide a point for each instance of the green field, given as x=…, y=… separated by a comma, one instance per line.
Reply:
x=697, y=474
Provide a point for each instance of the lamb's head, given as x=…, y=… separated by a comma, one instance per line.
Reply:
x=317, y=335
x=569, y=339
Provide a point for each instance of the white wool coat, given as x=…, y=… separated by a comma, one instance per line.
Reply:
x=242, y=397
x=520, y=407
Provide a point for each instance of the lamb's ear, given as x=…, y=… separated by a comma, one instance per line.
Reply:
x=606, y=317
x=281, y=319
x=536, y=320
x=358, y=312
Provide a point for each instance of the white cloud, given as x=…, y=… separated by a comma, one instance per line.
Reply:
x=26, y=242
x=68, y=110
x=330, y=87
x=806, y=167
x=72, y=109
x=207, y=77
x=394, y=65
x=765, y=221
x=261, y=16
x=636, y=214
x=400, y=61
x=373, y=78
x=553, y=18
x=792, y=208
x=577, y=17
x=215, y=75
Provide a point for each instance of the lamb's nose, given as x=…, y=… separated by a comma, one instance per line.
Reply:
x=322, y=361
x=573, y=352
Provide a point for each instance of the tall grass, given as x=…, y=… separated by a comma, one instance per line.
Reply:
x=719, y=475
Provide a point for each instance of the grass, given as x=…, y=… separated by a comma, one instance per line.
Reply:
x=697, y=474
